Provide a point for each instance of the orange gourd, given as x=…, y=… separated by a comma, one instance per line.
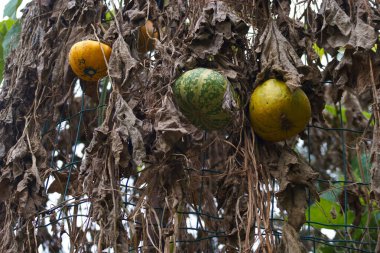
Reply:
x=146, y=37
x=86, y=59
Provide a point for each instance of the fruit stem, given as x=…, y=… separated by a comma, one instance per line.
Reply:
x=103, y=96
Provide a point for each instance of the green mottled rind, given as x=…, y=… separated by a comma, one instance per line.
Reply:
x=199, y=95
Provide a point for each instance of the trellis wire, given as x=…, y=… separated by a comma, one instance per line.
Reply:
x=198, y=212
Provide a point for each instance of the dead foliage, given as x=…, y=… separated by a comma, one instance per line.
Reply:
x=146, y=171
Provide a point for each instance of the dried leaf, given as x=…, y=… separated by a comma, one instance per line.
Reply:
x=60, y=181
x=121, y=62
x=30, y=197
x=15, y=156
x=375, y=159
x=295, y=177
x=126, y=132
x=352, y=71
x=290, y=242
x=170, y=126
x=6, y=184
x=338, y=30
x=217, y=24
x=278, y=58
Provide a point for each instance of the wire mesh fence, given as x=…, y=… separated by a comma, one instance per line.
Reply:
x=344, y=220
x=201, y=199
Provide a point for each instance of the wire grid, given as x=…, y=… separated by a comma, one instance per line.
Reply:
x=59, y=212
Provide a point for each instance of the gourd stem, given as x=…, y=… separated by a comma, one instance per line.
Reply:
x=103, y=96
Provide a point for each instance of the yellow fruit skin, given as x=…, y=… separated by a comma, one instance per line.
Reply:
x=276, y=113
x=87, y=61
x=146, y=37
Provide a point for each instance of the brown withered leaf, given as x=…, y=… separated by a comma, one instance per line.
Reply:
x=375, y=167
x=24, y=178
x=125, y=141
x=93, y=163
x=35, y=192
x=30, y=196
x=126, y=136
x=338, y=30
x=295, y=176
x=217, y=24
x=315, y=91
x=292, y=29
x=60, y=181
x=352, y=71
x=296, y=180
x=15, y=156
x=108, y=152
x=5, y=184
x=375, y=159
x=290, y=242
x=171, y=126
x=354, y=115
x=121, y=62
x=279, y=59
x=22, y=175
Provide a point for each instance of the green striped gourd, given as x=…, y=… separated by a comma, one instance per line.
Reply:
x=199, y=94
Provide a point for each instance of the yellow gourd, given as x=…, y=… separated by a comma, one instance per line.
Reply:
x=86, y=59
x=146, y=37
x=276, y=113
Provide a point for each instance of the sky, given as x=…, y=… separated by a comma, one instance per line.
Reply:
x=4, y=2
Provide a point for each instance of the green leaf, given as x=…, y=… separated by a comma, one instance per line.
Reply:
x=328, y=214
x=5, y=26
x=374, y=219
x=10, y=40
x=1, y=64
x=320, y=51
x=109, y=15
x=368, y=115
x=366, y=166
x=332, y=110
x=331, y=194
x=374, y=48
x=140, y=168
x=326, y=249
x=10, y=9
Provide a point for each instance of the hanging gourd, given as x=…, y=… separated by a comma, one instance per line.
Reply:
x=88, y=58
x=200, y=93
x=277, y=113
x=146, y=37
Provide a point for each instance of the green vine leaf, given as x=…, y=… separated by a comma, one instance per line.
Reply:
x=10, y=9
x=10, y=40
x=8, y=29
x=319, y=51
x=328, y=214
